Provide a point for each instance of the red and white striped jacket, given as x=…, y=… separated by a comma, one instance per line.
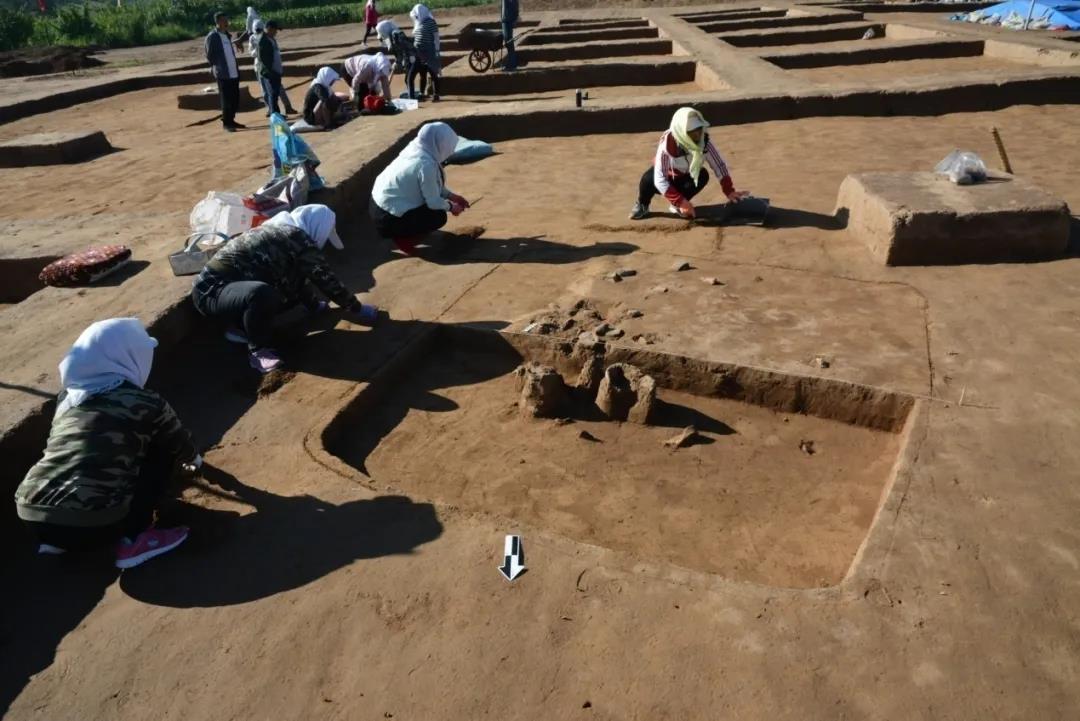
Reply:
x=672, y=161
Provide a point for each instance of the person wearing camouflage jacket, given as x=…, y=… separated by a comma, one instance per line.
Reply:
x=271, y=268
x=112, y=446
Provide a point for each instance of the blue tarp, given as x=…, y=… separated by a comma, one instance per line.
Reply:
x=1044, y=15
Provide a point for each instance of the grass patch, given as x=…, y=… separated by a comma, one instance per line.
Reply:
x=149, y=22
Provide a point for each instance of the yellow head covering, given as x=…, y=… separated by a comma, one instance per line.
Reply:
x=685, y=120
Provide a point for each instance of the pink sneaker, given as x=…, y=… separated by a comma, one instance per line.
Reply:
x=265, y=360
x=151, y=542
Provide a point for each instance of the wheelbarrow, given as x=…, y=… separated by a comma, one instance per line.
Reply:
x=485, y=47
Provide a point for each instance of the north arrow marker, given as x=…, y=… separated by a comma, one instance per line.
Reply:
x=513, y=558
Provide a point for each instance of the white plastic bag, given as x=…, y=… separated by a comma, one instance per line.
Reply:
x=962, y=167
x=221, y=213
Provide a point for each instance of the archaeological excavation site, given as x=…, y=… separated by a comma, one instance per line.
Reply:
x=604, y=448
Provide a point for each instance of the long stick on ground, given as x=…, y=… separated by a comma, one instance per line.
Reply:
x=1001, y=151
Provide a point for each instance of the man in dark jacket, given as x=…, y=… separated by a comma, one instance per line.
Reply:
x=268, y=65
x=222, y=59
x=509, y=19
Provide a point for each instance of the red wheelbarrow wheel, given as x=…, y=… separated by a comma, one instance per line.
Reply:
x=480, y=60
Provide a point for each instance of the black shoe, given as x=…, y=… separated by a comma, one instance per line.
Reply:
x=291, y=111
x=229, y=128
x=238, y=126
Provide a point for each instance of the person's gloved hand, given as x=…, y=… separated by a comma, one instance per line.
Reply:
x=365, y=314
x=456, y=208
x=737, y=195
x=685, y=208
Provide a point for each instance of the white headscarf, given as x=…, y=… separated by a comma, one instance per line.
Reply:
x=315, y=220
x=252, y=16
x=385, y=29
x=326, y=77
x=107, y=354
x=437, y=140
x=419, y=14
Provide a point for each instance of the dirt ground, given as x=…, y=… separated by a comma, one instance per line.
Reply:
x=876, y=72
x=777, y=515
x=313, y=589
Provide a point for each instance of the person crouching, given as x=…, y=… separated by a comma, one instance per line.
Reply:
x=269, y=269
x=112, y=448
x=410, y=198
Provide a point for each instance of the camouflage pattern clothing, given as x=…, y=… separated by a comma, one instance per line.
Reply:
x=94, y=455
x=278, y=255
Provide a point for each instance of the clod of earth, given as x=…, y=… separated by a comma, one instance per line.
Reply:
x=543, y=394
x=614, y=277
x=681, y=265
x=712, y=281
x=592, y=373
x=807, y=447
x=821, y=361
x=686, y=438
x=626, y=272
x=586, y=436
x=659, y=289
x=626, y=394
x=634, y=313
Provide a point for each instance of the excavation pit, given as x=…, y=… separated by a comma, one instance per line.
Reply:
x=53, y=149
x=924, y=219
x=539, y=77
x=801, y=35
x=563, y=35
x=746, y=500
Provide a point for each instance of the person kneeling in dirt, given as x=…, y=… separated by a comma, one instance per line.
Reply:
x=112, y=447
x=368, y=75
x=677, y=171
x=270, y=269
x=322, y=106
x=410, y=198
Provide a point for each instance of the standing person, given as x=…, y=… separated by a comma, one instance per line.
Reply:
x=510, y=12
x=268, y=65
x=426, y=40
x=404, y=52
x=371, y=19
x=251, y=21
x=222, y=59
x=112, y=447
x=677, y=171
x=270, y=269
x=368, y=75
x=321, y=104
x=410, y=198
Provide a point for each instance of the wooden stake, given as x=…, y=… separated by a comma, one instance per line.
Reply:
x=1001, y=151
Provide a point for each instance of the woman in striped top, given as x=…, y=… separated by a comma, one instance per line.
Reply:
x=426, y=39
x=677, y=171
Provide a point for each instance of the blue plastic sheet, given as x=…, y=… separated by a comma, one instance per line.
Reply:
x=290, y=151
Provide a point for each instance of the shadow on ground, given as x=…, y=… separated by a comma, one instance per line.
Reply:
x=285, y=543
